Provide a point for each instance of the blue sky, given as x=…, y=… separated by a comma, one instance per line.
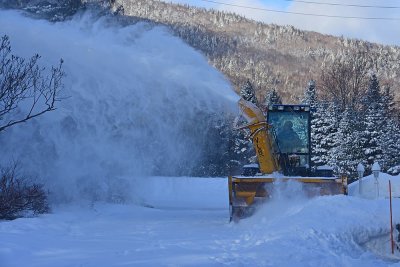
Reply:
x=277, y=4
x=380, y=31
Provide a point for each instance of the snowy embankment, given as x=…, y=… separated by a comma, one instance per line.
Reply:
x=368, y=185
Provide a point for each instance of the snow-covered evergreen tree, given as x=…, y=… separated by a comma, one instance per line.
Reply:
x=388, y=102
x=239, y=146
x=310, y=95
x=247, y=93
x=374, y=116
x=324, y=133
x=310, y=98
x=373, y=94
x=390, y=139
x=272, y=97
x=348, y=151
x=226, y=150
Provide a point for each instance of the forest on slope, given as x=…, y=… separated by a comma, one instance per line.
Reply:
x=270, y=56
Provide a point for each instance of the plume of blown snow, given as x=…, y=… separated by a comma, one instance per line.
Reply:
x=132, y=99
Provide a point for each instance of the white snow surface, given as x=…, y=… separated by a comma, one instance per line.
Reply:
x=184, y=222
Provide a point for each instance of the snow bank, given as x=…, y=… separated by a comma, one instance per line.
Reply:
x=133, y=96
x=369, y=186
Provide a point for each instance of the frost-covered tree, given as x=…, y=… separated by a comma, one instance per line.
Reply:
x=240, y=150
x=369, y=134
x=390, y=142
x=388, y=102
x=316, y=122
x=373, y=94
x=310, y=95
x=374, y=117
x=348, y=151
x=324, y=133
x=225, y=148
x=272, y=97
x=51, y=9
x=390, y=139
x=247, y=93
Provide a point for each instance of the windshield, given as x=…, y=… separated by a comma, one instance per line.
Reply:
x=291, y=129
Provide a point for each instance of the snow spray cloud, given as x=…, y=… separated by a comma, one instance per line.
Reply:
x=287, y=198
x=133, y=96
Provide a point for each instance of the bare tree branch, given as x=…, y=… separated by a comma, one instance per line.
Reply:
x=344, y=78
x=22, y=83
x=18, y=195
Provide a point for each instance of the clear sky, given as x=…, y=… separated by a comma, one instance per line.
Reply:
x=381, y=31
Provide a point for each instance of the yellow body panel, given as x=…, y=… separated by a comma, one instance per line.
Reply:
x=243, y=191
x=261, y=140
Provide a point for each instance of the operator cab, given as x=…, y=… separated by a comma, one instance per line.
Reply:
x=291, y=131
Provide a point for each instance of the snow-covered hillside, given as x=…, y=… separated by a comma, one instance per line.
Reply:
x=132, y=99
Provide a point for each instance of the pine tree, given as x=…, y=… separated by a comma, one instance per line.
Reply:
x=390, y=139
x=272, y=97
x=212, y=160
x=373, y=123
x=310, y=98
x=373, y=94
x=247, y=93
x=348, y=151
x=239, y=149
x=310, y=95
x=324, y=133
x=388, y=102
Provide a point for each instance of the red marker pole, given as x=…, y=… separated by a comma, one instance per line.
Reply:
x=391, y=223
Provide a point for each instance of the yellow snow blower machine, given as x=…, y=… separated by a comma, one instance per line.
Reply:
x=282, y=143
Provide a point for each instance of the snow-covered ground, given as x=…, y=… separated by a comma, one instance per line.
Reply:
x=184, y=222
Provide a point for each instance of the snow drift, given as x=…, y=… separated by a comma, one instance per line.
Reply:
x=369, y=187
x=132, y=97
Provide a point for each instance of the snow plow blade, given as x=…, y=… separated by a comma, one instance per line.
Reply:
x=246, y=193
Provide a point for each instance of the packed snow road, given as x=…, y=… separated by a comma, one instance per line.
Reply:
x=288, y=231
